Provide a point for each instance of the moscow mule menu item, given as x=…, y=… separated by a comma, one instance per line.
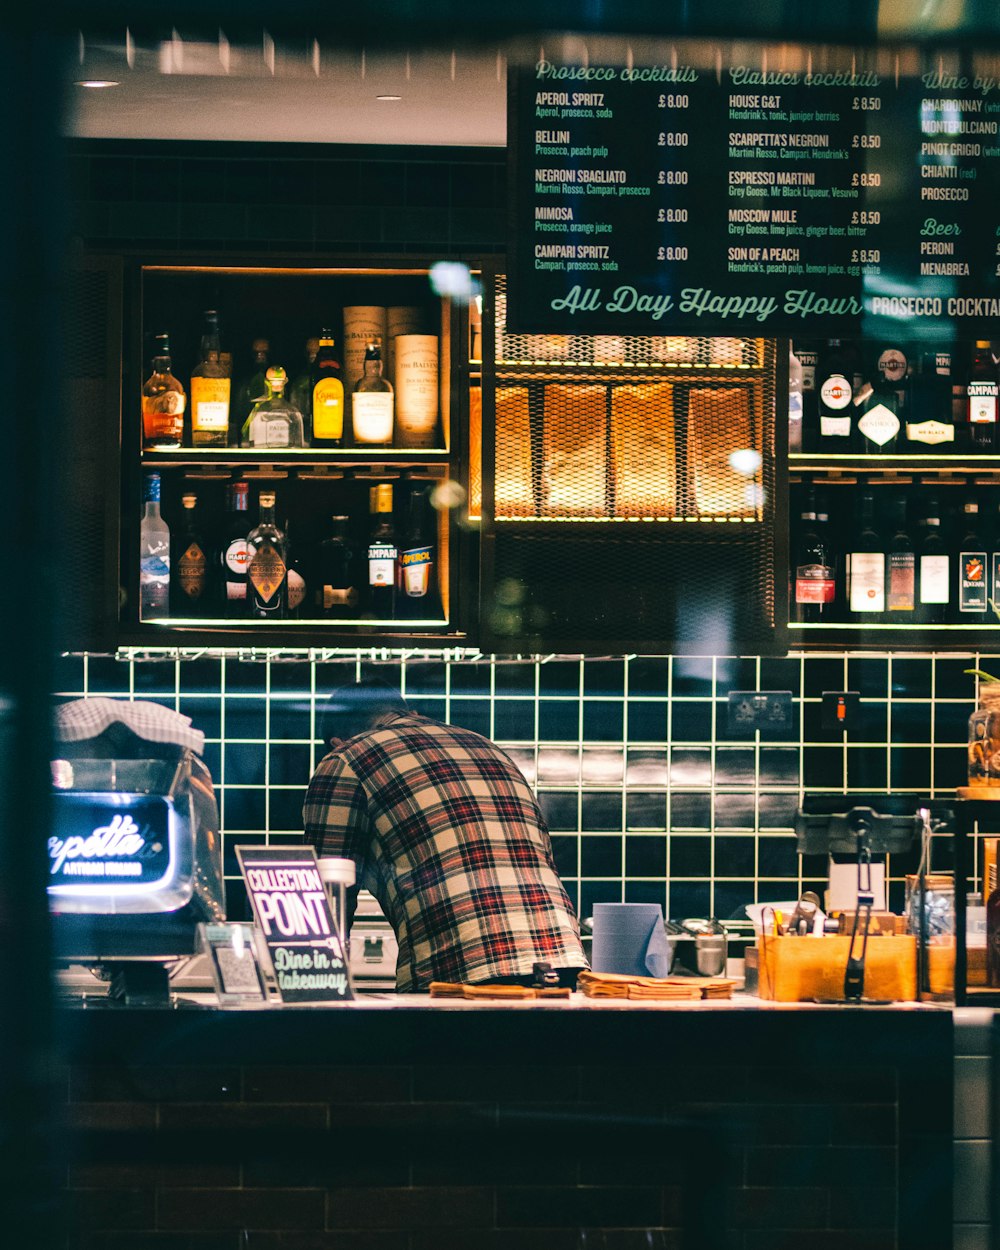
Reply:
x=746, y=199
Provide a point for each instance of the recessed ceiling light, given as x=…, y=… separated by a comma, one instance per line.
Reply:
x=96, y=83
x=388, y=97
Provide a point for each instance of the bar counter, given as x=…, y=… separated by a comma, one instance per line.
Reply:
x=410, y=1123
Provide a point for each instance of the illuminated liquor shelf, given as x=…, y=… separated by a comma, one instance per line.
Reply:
x=857, y=463
x=239, y=457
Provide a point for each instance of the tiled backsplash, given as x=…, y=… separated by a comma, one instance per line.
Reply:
x=647, y=796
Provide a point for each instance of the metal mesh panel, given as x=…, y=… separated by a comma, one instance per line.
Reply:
x=592, y=351
x=475, y=452
x=85, y=346
x=657, y=456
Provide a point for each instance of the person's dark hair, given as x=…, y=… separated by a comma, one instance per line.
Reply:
x=354, y=708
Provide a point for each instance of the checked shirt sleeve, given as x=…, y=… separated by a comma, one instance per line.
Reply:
x=335, y=813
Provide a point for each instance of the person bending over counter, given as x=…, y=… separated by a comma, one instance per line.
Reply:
x=447, y=835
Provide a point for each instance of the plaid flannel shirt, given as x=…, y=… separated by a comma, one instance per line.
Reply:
x=447, y=835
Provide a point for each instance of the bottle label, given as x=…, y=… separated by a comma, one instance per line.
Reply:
x=982, y=397
x=836, y=391
x=163, y=417
x=382, y=564
x=931, y=432
x=296, y=589
x=934, y=579
x=867, y=581
x=191, y=569
x=154, y=568
x=879, y=425
x=339, y=597
x=328, y=408
x=210, y=404
x=972, y=581
x=808, y=362
x=237, y=556
x=814, y=583
x=902, y=581
x=371, y=412
x=266, y=571
x=892, y=365
x=274, y=433
x=835, y=427
x=416, y=566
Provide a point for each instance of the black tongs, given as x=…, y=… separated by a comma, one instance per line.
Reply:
x=854, y=975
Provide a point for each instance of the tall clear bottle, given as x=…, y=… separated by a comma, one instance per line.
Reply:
x=267, y=565
x=154, y=555
x=372, y=402
x=210, y=390
x=163, y=401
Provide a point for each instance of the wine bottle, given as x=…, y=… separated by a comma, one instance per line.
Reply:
x=267, y=565
x=973, y=564
x=154, y=555
x=929, y=424
x=901, y=574
x=336, y=589
x=813, y=580
x=866, y=565
x=934, y=571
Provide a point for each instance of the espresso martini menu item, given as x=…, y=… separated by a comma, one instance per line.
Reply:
x=744, y=199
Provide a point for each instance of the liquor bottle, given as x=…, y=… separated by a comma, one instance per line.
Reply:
x=210, y=387
x=416, y=555
x=934, y=571
x=973, y=564
x=327, y=395
x=807, y=357
x=372, y=402
x=813, y=577
x=993, y=538
x=876, y=420
x=297, y=579
x=982, y=392
x=301, y=390
x=834, y=399
x=273, y=422
x=336, y=595
x=252, y=389
x=189, y=563
x=866, y=565
x=929, y=424
x=154, y=555
x=267, y=565
x=901, y=583
x=233, y=553
x=382, y=554
x=163, y=401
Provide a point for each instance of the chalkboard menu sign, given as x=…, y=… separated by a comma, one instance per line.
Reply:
x=293, y=914
x=810, y=197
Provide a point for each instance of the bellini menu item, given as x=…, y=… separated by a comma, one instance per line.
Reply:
x=743, y=198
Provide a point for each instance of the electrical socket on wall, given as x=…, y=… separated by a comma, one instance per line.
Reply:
x=841, y=709
x=750, y=710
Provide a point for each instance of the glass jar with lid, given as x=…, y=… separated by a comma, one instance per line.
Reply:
x=984, y=737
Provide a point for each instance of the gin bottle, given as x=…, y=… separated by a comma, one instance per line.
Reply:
x=273, y=422
x=154, y=555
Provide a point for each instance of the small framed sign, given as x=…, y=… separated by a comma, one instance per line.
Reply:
x=293, y=916
x=236, y=970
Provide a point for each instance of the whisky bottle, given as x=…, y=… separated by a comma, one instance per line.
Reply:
x=300, y=394
x=336, y=595
x=866, y=565
x=934, y=571
x=154, y=555
x=372, y=402
x=233, y=553
x=189, y=562
x=273, y=422
x=982, y=392
x=163, y=401
x=251, y=390
x=327, y=395
x=901, y=571
x=267, y=565
x=416, y=556
x=813, y=582
x=972, y=570
x=210, y=390
x=382, y=554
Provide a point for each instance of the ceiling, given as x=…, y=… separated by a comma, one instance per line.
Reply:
x=300, y=92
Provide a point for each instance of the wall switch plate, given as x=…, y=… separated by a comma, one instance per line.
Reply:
x=750, y=710
x=841, y=709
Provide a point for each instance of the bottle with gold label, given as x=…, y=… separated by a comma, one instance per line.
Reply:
x=163, y=401
x=267, y=565
x=210, y=387
x=327, y=395
x=189, y=562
